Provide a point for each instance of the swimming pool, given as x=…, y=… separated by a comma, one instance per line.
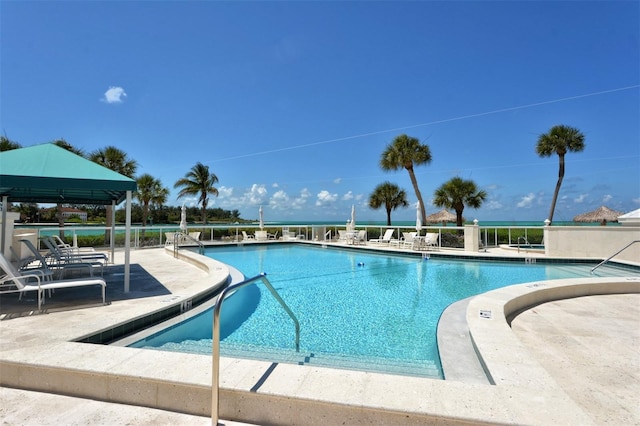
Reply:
x=357, y=309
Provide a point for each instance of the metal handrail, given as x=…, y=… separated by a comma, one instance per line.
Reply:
x=215, y=379
x=198, y=242
x=614, y=255
x=525, y=241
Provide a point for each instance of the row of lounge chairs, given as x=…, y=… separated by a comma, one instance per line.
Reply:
x=410, y=240
x=42, y=273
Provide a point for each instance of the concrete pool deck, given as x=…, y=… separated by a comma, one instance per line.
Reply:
x=37, y=354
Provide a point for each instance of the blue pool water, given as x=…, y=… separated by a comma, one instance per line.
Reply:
x=357, y=309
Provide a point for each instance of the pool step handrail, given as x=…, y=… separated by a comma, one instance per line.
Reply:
x=525, y=241
x=215, y=385
x=198, y=242
x=614, y=255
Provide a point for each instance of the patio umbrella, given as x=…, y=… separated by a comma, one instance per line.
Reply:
x=183, y=219
x=418, y=218
x=353, y=216
x=442, y=216
x=600, y=214
x=261, y=218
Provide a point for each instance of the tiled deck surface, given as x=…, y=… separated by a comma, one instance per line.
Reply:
x=551, y=382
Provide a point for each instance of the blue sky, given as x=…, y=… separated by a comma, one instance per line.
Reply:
x=291, y=103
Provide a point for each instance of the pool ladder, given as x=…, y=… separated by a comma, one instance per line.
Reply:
x=215, y=385
x=614, y=255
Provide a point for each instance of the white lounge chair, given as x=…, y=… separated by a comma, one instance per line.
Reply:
x=15, y=282
x=431, y=240
x=246, y=236
x=408, y=239
x=360, y=237
x=61, y=257
x=261, y=235
x=195, y=235
x=64, y=246
x=386, y=238
x=42, y=264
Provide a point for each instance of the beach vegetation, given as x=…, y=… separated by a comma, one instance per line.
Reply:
x=150, y=192
x=7, y=144
x=390, y=196
x=198, y=181
x=457, y=193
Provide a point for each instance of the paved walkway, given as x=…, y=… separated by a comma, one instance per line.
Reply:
x=591, y=347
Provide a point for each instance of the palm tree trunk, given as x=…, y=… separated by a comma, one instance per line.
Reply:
x=557, y=191
x=388, y=217
x=414, y=182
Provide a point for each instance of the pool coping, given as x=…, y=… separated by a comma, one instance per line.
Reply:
x=263, y=392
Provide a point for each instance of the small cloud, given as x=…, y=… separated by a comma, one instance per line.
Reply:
x=580, y=198
x=337, y=180
x=325, y=197
x=225, y=192
x=494, y=205
x=114, y=95
x=526, y=201
x=607, y=198
x=348, y=196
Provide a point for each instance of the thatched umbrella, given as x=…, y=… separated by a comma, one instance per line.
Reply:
x=442, y=216
x=600, y=214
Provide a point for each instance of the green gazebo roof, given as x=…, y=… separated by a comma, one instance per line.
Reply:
x=50, y=174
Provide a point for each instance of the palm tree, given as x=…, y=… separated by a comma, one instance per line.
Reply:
x=198, y=181
x=65, y=145
x=403, y=153
x=389, y=195
x=150, y=191
x=7, y=145
x=559, y=140
x=117, y=160
x=456, y=193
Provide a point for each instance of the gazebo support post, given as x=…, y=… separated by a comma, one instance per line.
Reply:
x=127, y=243
x=5, y=206
x=112, y=238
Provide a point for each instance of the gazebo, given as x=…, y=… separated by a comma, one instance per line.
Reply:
x=49, y=174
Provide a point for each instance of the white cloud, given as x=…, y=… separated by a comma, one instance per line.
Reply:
x=114, y=95
x=494, y=205
x=300, y=201
x=225, y=192
x=325, y=197
x=607, y=198
x=256, y=195
x=348, y=196
x=526, y=201
x=580, y=198
x=337, y=180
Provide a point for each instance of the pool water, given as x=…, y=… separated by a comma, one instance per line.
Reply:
x=357, y=309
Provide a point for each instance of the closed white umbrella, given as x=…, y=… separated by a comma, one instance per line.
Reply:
x=183, y=219
x=261, y=218
x=353, y=216
x=418, y=218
